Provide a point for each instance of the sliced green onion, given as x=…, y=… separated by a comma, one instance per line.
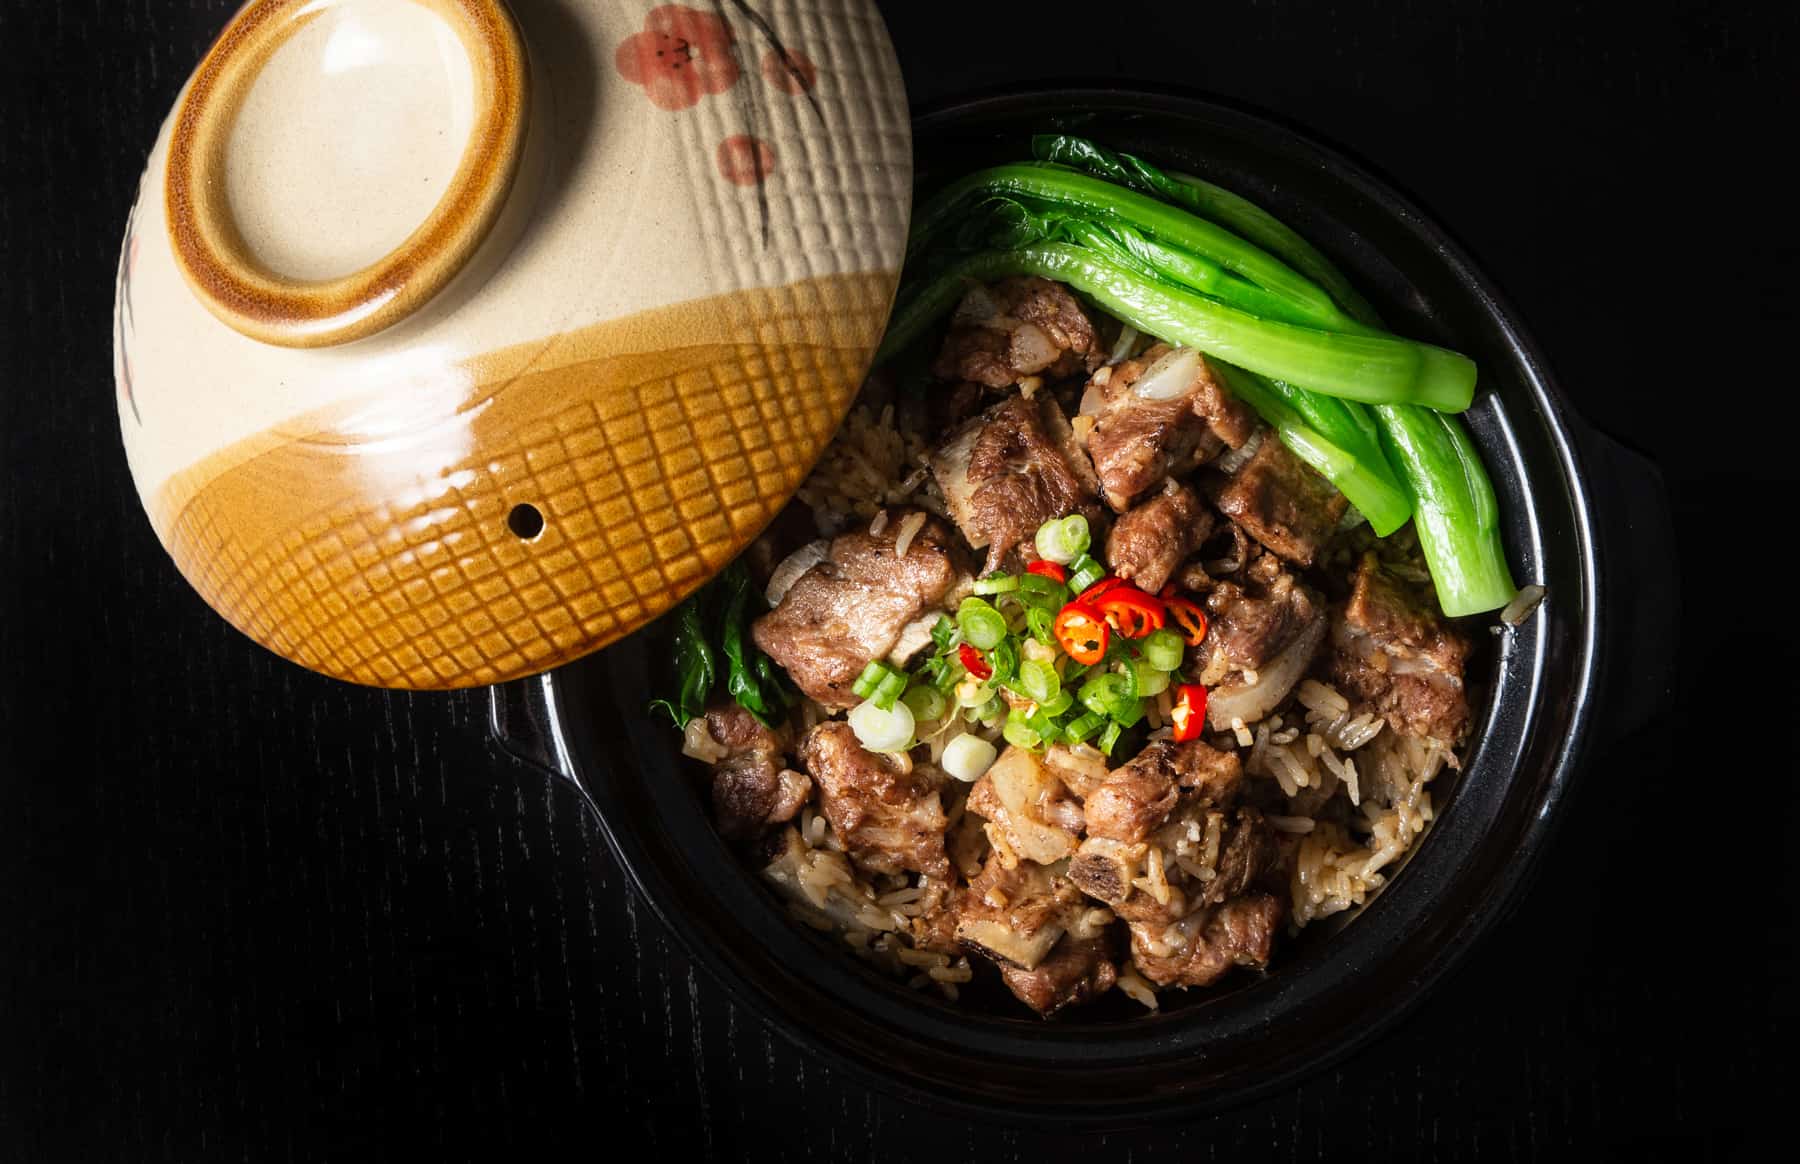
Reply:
x=1150, y=680
x=1038, y=681
x=943, y=633
x=968, y=757
x=1044, y=725
x=1061, y=540
x=1035, y=590
x=982, y=626
x=1082, y=728
x=1088, y=573
x=926, y=703
x=1109, y=737
x=890, y=689
x=1113, y=695
x=996, y=584
x=1096, y=691
x=1019, y=733
x=877, y=682
x=1163, y=649
x=1128, y=713
x=975, y=695
x=1004, y=659
x=1060, y=702
x=1041, y=621
x=882, y=729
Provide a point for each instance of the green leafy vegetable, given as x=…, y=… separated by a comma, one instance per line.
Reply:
x=1210, y=201
x=752, y=678
x=1097, y=197
x=1377, y=369
x=1001, y=223
x=1192, y=263
x=1454, y=508
x=695, y=666
x=721, y=612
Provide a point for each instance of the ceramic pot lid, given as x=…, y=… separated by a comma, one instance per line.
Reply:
x=455, y=339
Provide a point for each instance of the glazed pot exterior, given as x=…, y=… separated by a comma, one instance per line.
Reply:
x=455, y=339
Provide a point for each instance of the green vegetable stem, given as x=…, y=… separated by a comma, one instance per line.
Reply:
x=751, y=677
x=1209, y=201
x=1375, y=369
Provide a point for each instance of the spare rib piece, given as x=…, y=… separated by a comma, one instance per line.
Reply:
x=1015, y=915
x=1262, y=635
x=1011, y=469
x=1150, y=541
x=1202, y=947
x=1250, y=851
x=1014, y=329
x=1075, y=972
x=1028, y=809
x=853, y=606
x=1390, y=649
x=1162, y=788
x=888, y=817
x=1282, y=502
x=1139, y=795
x=1137, y=442
x=752, y=786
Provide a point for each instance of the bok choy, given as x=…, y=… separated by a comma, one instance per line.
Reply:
x=720, y=612
x=1194, y=264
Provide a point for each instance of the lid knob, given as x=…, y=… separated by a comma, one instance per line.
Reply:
x=290, y=213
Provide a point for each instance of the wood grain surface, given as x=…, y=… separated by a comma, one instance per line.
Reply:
x=247, y=913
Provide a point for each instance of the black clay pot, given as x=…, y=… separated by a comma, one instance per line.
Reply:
x=1584, y=517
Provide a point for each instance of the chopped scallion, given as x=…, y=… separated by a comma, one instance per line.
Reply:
x=1163, y=649
x=982, y=626
x=1084, y=572
x=926, y=702
x=1062, y=540
x=1038, y=681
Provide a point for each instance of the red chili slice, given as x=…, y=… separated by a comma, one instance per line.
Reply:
x=1045, y=568
x=1188, y=616
x=974, y=663
x=1101, y=587
x=1135, y=613
x=1082, y=631
x=1187, y=712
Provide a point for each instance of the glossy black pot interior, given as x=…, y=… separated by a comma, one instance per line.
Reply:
x=1339, y=983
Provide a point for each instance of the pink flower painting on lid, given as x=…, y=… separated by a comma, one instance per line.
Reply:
x=789, y=70
x=681, y=55
x=744, y=160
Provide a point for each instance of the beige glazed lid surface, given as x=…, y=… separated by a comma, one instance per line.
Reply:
x=455, y=339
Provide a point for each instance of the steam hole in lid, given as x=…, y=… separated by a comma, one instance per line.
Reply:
x=525, y=521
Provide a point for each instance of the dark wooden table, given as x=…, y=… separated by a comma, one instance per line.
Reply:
x=247, y=913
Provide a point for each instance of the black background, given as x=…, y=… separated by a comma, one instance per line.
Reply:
x=250, y=913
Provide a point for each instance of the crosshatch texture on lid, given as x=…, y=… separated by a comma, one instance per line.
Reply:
x=602, y=418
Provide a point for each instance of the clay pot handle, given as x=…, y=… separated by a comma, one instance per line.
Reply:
x=275, y=308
